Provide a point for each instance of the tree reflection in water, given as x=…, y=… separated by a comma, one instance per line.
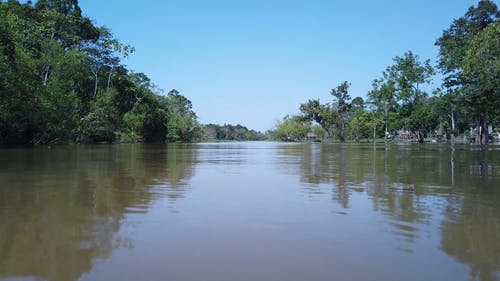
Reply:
x=417, y=188
x=56, y=229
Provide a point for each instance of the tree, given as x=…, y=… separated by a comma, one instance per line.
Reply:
x=61, y=26
x=104, y=52
x=481, y=76
x=332, y=119
x=322, y=114
x=364, y=125
x=64, y=22
x=455, y=47
x=101, y=122
x=341, y=104
x=455, y=41
x=182, y=124
x=293, y=128
x=422, y=119
x=405, y=76
x=356, y=111
x=19, y=92
x=383, y=97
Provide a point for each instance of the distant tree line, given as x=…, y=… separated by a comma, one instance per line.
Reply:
x=231, y=132
x=61, y=80
x=469, y=61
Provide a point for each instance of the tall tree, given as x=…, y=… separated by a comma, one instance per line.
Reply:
x=63, y=26
x=182, y=122
x=455, y=41
x=454, y=45
x=406, y=75
x=65, y=23
x=383, y=98
x=292, y=128
x=341, y=104
x=481, y=76
x=322, y=114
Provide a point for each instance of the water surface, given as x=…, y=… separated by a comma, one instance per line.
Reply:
x=250, y=211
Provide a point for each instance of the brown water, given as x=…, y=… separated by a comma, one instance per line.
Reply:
x=250, y=211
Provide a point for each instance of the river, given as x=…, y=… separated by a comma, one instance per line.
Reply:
x=251, y=211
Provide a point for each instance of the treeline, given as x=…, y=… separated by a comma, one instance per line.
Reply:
x=398, y=105
x=61, y=79
x=231, y=132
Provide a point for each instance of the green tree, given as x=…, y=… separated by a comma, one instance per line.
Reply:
x=365, y=125
x=342, y=106
x=101, y=122
x=182, y=124
x=383, y=98
x=481, y=76
x=406, y=75
x=353, y=127
x=293, y=128
x=322, y=114
x=422, y=119
x=456, y=45
x=230, y=132
x=455, y=41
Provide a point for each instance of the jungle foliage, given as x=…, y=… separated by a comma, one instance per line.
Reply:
x=62, y=80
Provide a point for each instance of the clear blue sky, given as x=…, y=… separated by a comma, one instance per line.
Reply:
x=254, y=61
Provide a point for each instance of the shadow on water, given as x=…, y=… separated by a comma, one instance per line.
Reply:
x=417, y=188
x=62, y=208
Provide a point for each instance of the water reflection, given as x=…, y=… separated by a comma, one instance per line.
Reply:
x=471, y=228
x=470, y=234
x=62, y=208
x=255, y=211
x=320, y=164
x=418, y=189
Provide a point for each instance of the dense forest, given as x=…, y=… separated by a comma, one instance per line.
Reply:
x=62, y=80
x=467, y=103
x=231, y=132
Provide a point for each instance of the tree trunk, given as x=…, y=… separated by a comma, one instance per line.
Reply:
x=341, y=132
x=95, y=70
x=45, y=74
x=452, y=121
x=420, y=136
x=328, y=133
x=483, y=129
x=96, y=83
x=452, y=117
x=109, y=76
